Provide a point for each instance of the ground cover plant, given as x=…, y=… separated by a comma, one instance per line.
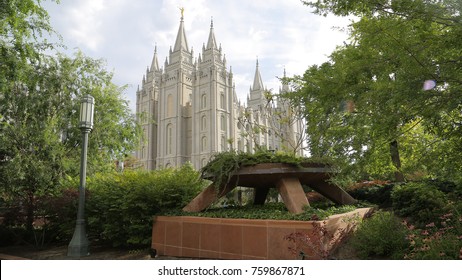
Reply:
x=426, y=223
x=269, y=211
x=222, y=165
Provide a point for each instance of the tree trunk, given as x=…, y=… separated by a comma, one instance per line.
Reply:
x=395, y=159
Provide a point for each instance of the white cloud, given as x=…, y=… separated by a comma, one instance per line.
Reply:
x=85, y=23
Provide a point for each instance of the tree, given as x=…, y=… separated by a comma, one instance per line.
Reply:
x=369, y=97
x=40, y=98
x=278, y=121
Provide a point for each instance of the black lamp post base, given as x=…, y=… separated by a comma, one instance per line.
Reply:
x=79, y=245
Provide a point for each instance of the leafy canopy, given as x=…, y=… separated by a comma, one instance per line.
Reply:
x=40, y=92
x=370, y=106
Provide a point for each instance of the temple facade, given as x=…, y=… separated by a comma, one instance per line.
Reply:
x=188, y=110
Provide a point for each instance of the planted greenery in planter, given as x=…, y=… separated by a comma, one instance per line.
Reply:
x=221, y=167
x=269, y=211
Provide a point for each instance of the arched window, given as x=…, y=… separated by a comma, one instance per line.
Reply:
x=223, y=143
x=222, y=101
x=203, y=144
x=203, y=162
x=144, y=115
x=203, y=101
x=169, y=105
x=169, y=139
x=239, y=146
x=203, y=123
x=223, y=122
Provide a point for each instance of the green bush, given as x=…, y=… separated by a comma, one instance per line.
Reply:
x=60, y=211
x=422, y=203
x=10, y=235
x=120, y=207
x=376, y=194
x=453, y=190
x=381, y=236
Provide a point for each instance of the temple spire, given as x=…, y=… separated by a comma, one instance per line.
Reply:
x=181, y=43
x=211, y=43
x=285, y=85
x=257, y=81
x=155, y=62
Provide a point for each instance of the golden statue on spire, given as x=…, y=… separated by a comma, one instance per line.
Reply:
x=182, y=11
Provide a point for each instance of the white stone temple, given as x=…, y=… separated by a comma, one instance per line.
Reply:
x=188, y=110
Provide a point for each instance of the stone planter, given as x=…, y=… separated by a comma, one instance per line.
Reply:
x=216, y=238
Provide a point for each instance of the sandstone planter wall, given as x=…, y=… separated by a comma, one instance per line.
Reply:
x=216, y=238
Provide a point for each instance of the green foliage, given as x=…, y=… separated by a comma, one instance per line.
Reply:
x=438, y=240
x=121, y=206
x=268, y=211
x=432, y=227
x=422, y=203
x=223, y=165
x=60, y=212
x=40, y=96
x=366, y=107
x=381, y=236
x=445, y=248
x=379, y=194
x=451, y=189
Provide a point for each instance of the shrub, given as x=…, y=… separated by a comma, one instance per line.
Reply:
x=422, y=203
x=375, y=193
x=11, y=235
x=381, y=236
x=121, y=206
x=453, y=190
x=60, y=212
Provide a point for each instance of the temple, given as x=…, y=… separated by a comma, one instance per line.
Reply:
x=188, y=109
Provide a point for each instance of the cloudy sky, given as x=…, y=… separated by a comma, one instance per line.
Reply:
x=282, y=34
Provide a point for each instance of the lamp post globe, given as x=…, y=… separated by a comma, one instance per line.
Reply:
x=79, y=245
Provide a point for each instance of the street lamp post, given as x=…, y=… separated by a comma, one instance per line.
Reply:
x=79, y=244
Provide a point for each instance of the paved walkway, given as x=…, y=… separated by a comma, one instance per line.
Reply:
x=10, y=257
